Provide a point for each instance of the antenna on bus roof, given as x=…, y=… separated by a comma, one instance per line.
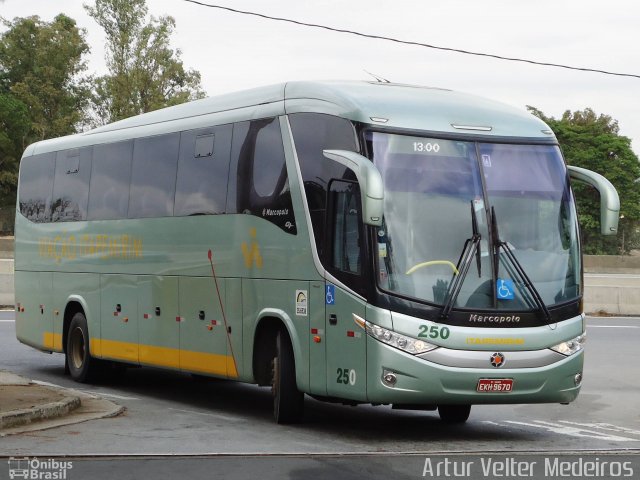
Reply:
x=378, y=79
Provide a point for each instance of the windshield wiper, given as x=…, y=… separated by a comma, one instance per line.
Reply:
x=464, y=262
x=524, y=278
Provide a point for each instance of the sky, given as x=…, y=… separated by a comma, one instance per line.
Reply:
x=234, y=52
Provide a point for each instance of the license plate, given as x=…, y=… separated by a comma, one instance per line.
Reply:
x=495, y=385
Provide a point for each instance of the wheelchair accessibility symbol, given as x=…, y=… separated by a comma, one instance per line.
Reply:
x=504, y=289
x=330, y=295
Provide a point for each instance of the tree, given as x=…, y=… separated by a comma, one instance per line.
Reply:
x=145, y=73
x=41, y=65
x=14, y=129
x=42, y=91
x=593, y=141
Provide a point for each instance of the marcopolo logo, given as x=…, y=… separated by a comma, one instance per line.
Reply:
x=33, y=468
x=493, y=318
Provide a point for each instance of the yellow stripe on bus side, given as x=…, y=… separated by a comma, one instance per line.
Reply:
x=119, y=350
x=206, y=363
x=52, y=341
x=159, y=356
x=166, y=357
x=95, y=347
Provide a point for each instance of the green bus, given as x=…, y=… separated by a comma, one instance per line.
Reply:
x=357, y=242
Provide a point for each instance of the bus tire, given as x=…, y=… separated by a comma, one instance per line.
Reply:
x=83, y=367
x=288, y=401
x=454, y=413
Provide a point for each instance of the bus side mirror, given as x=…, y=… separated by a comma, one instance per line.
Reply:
x=369, y=179
x=609, y=200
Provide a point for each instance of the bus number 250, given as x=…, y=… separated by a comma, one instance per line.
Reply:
x=346, y=376
x=434, y=331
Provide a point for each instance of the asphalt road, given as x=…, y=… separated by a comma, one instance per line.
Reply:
x=171, y=414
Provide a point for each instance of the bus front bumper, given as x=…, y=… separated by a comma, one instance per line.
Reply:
x=417, y=381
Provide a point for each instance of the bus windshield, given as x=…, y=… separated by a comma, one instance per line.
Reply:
x=433, y=190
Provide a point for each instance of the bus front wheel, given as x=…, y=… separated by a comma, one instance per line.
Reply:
x=454, y=413
x=82, y=367
x=288, y=401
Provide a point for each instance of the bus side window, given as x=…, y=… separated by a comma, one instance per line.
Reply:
x=153, y=176
x=261, y=185
x=203, y=171
x=313, y=133
x=71, y=185
x=345, y=233
x=36, y=187
x=110, y=176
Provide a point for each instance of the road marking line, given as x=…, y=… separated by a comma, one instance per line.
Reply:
x=110, y=395
x=7, y=321
x=46, y=384
x=90, y=392
x=573, y=431
x=215, y=415
x=604, y=426
x=611, y=275
x=613, y=326
x=490, y=422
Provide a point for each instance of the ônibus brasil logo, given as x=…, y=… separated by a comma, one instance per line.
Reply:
x=33, y=468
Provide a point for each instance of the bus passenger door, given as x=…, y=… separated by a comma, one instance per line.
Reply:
x=203, y=337
x=159, y=332
x=346, y=340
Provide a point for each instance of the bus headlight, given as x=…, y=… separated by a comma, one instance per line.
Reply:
x=401, y=342
x=572, y=346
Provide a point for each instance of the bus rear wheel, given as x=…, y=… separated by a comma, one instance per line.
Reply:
x=82, y=366
x=288, y=401
x=454, y=413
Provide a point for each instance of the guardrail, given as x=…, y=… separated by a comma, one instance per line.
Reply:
x=613, y=294
x=6, y=282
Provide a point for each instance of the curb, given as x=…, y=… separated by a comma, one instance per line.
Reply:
x=31, y=406
x=26, y=416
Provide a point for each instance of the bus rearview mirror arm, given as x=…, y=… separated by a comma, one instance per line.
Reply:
x=609, y=200
x=370, y=180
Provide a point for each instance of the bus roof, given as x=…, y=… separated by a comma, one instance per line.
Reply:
x=387, y=105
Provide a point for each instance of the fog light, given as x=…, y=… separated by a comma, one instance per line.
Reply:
x=578, y=379
x=389, y=379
